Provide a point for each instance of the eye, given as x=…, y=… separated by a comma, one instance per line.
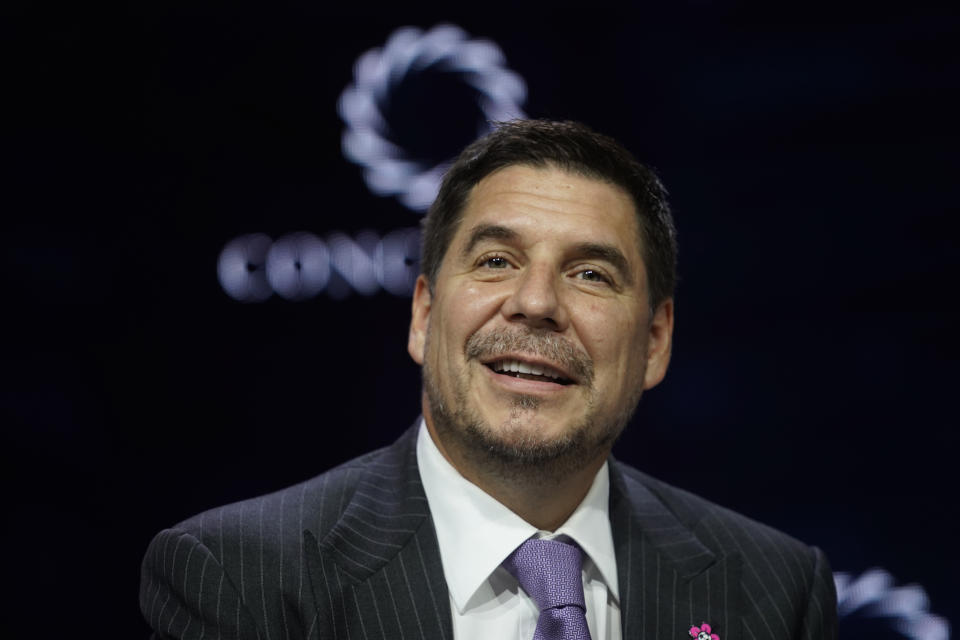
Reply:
x=593, y=275
x=495, y=262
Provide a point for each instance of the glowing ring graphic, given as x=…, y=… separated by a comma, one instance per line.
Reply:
x=389, y=169
x=873, y=594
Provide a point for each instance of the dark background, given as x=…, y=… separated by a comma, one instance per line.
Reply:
x=812, y=166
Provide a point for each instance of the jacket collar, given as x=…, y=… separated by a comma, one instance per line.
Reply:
x=668, y=577
x=385, y=511
x=386, y=536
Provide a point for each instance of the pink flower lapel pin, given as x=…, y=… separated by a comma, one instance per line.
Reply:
x=703, y=632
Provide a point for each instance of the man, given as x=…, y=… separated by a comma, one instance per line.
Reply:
x=543, y=311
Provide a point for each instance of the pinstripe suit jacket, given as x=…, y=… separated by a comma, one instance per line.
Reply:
x=353, y=554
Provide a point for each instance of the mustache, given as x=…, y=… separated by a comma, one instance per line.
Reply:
x=544, y=344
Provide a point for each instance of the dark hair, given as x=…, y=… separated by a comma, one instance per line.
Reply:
x=572, y=147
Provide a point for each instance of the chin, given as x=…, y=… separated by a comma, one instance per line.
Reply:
x=531, y=431
x=521, y=447
x=520, y=439
x=530, y=453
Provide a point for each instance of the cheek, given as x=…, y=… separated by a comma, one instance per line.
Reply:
x=472, y=304
x=615, y=340
x=607, y=332
x=476, y=305
x=464, y=312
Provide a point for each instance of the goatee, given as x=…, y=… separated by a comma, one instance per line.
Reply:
x=515, y=450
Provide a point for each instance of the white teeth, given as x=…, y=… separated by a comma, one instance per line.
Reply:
x=521, y=367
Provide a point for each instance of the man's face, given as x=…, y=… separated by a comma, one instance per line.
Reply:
x=538, y=335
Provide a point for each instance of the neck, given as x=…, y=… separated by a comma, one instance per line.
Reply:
x=543, y=495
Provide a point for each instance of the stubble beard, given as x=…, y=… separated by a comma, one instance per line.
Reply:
x=518, y=451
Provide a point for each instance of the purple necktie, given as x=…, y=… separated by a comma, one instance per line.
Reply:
x=549, y=571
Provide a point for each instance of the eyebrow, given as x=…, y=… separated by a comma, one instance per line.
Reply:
x=488, y=232
x=607, y=253
x=593, y=250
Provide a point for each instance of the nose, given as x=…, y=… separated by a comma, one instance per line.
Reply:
x=536, y=300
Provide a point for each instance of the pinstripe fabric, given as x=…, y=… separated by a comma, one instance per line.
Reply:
x=353, y=554
x=683, y=561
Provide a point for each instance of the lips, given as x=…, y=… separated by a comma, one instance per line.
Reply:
x=538, y=356
x=537, y=371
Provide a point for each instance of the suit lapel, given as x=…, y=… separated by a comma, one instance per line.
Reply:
x=377, y=573
x=669, y=581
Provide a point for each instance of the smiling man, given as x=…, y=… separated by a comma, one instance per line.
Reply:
x=537, y=336
x=543, y=311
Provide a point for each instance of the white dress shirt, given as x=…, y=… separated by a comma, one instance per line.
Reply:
x=476, y=534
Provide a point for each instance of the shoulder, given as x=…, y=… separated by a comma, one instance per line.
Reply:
x=726, y=532
x=241, y=562
x=315, y=504
x=787, y=585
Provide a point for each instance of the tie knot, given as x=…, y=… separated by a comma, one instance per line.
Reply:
x=549, y=571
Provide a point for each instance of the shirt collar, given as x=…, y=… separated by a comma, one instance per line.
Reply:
x=476, y=533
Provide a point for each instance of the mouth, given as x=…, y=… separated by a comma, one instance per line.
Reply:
x=529, y=370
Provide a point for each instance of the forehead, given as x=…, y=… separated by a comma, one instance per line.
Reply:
x=553, y=201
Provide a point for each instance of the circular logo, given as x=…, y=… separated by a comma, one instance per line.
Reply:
x=390, y=170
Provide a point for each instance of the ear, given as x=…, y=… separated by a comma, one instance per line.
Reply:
x=419, y=319
x=660, y=344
